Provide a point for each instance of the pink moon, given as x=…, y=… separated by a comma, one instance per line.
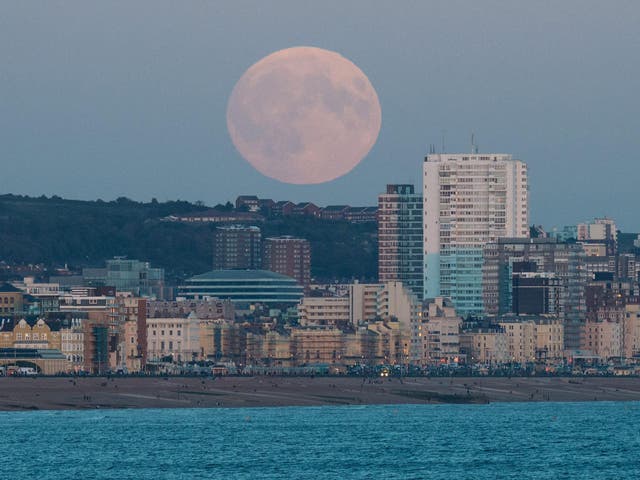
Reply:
x=304, y=115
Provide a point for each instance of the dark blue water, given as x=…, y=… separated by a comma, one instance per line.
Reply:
x=520, y=441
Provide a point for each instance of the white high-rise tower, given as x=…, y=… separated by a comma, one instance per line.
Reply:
x=469, y=200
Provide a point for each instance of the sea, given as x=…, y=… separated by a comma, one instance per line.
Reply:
x=599, y=440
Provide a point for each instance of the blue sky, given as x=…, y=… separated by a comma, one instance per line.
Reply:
x=108, y=99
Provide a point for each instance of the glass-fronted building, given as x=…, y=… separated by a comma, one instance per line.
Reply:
x=127, y=275
x=400, y=256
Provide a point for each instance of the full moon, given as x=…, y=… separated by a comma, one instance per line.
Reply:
x=304, y=115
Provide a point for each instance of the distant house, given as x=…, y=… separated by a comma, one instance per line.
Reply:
x=361, y=214
x=266, y=205
x=250, y=202
x=306, y=209
x=334, y=212
x=216, y=216
x=282, y=208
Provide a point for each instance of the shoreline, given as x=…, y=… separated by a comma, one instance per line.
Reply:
x=65, y=393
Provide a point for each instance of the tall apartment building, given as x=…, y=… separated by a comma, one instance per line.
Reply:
x=236, y=247
x=469, y=200
x=400, y=237
x=289, y=256
x=509, y=260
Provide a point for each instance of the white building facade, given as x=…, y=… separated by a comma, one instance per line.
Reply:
x=178, y=338
x=468, y=200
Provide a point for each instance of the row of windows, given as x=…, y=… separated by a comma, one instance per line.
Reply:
x=154, y=333
x=72, y=336
x=163, y=345
x=34, y=336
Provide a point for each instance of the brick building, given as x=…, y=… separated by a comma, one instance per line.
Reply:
x=289, y=256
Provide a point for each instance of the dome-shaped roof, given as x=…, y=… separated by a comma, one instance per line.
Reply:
x=222, y=275
x=244, y=286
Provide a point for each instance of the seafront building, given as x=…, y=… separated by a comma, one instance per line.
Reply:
x=441, y=333
x=132, y=334
x=374, y=343
x=362, y=305
x=400, y=237
x=533, y=338
x=177, y=339
x=469, y=200
x=485, y=346
x=358, y=303
x=613, y=334
x=58, y=337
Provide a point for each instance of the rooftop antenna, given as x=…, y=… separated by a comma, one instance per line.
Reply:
x=474, y=147
x=443, y=133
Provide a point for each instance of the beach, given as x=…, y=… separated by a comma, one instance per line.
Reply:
x=65, y=393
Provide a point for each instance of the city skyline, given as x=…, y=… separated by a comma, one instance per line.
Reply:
x=118, y=115
x=277, y=239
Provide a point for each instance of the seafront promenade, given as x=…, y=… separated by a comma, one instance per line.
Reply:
x=62, y=393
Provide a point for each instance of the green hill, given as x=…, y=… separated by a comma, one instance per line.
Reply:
x=55, y=231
